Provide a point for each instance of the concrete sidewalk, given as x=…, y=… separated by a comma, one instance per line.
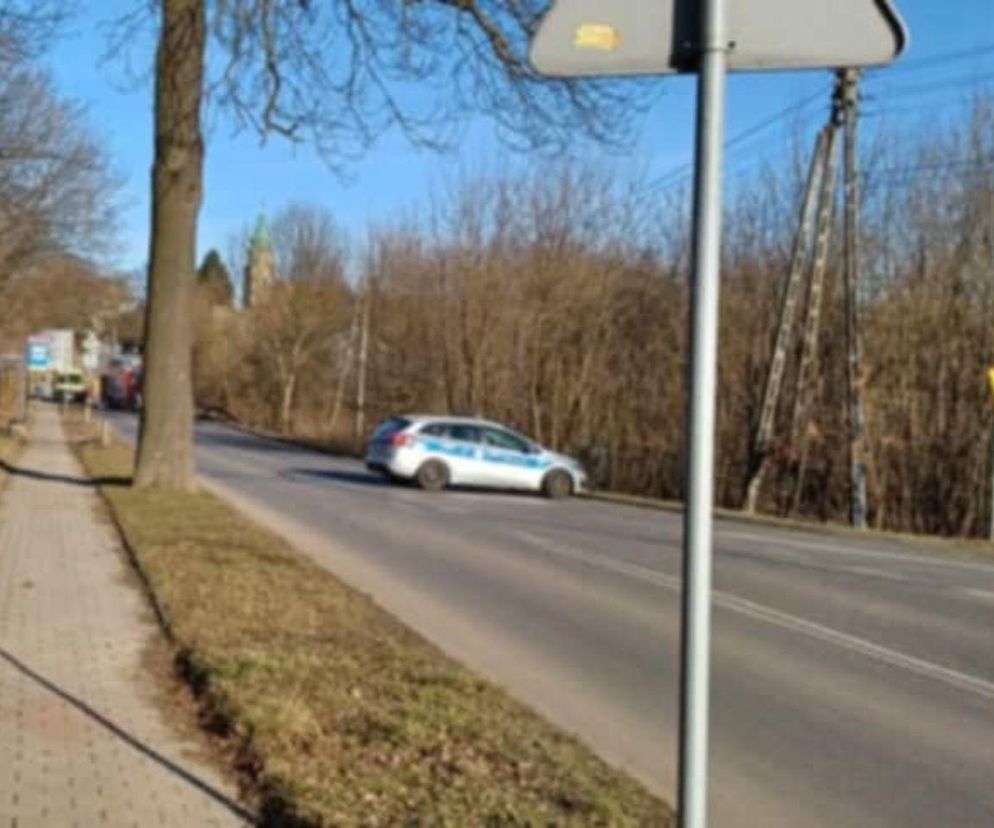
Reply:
x=82, y=742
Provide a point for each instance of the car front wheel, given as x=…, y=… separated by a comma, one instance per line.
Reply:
x=557, y=485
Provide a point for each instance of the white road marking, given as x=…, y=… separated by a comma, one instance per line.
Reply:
x=760, y=612
x=935, y=560
x=873, y=572
x=985, y=595
x=497, y=497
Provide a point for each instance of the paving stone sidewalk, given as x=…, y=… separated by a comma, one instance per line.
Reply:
x=82, y=742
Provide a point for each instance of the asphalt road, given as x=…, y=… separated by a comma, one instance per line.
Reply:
x=853, y=679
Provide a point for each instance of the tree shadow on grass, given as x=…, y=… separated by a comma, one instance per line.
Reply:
x=91, y=482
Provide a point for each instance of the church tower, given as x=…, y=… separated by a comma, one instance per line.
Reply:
x=260, y=270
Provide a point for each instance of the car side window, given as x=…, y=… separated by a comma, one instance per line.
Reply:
x=501, y=439
x=464, y=433
x=435, y=430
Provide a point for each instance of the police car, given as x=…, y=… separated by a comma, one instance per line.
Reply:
x=436, y=452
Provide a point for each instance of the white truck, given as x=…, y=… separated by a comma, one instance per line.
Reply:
x=52, y=365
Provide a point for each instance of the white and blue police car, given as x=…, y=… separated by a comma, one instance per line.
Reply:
x=438, y=451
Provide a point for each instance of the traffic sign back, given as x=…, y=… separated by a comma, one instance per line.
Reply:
x=647, y=37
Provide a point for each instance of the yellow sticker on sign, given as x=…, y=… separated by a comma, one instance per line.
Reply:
x=599, y=36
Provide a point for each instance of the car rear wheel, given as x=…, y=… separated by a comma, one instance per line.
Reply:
x=557, y=485
x=433, y=476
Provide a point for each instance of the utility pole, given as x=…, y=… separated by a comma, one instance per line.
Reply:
x=785, y=326
x=849, y=82
x=346, y=363
x=800, y=419
x=360, y=410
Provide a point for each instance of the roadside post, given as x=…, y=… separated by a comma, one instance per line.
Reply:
x=590, y=38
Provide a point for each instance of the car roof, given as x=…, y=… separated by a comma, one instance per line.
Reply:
x=424, y=419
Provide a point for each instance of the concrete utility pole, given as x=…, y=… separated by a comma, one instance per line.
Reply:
x=345, y=370
x=806, y=373
x=821, y=188
x=785, y=326
x=849, y=82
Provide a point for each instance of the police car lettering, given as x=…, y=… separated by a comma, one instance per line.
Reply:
x=512, y=458
x=450, y=449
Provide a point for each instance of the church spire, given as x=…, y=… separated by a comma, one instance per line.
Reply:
x=260, y=268
x=260, y=238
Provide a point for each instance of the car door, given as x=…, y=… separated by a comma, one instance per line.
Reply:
x=509, y=461
x=460, y=450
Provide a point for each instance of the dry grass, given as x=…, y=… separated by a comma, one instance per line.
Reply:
x=345, y=716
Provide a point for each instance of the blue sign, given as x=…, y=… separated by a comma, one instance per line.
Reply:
x=39, y=355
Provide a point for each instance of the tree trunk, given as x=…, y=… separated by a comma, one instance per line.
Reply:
x=165, y=446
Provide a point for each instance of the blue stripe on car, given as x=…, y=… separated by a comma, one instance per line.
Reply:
x=450, y=449
x=512, y=458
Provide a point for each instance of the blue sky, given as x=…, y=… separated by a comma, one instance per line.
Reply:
x=244, y=176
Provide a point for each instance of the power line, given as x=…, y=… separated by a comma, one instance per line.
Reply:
x=928, y=63
x=934, y=86
x=902, y=176
x=955, y=103
x=733, y=143
x=979, y=161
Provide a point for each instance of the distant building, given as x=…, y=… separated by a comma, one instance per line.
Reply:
x=260, y=271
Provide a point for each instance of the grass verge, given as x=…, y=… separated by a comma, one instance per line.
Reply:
x=342, y=715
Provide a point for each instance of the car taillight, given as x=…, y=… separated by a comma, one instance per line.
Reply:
x=401, y=440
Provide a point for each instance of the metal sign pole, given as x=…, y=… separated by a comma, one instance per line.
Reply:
x=698, y=518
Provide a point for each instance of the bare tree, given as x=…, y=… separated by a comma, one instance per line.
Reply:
x=56, y=191
x=293, y=333
x=308, y=245
x=337, y=74
x=61, y=291
x=26, y=26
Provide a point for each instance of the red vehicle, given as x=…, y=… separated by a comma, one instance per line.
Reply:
x=121, y=387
